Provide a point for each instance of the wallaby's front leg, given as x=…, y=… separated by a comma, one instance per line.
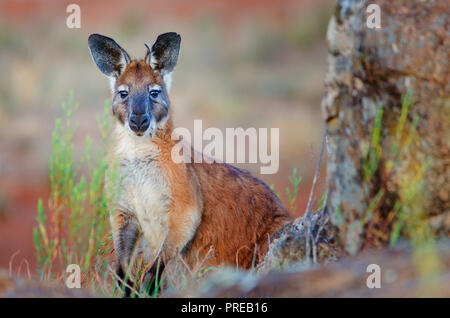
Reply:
x=126, y=233
x=152, y=277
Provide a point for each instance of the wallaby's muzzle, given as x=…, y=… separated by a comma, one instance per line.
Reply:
x=139, y=123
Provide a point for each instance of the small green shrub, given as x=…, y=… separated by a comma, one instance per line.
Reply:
x=291, y=195
x=72, y=228
x=408, y=217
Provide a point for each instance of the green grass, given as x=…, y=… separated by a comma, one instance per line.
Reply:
x=291, y=191
x=72, y=226
x=408, y=216
x=291, y=196
x=371, y=154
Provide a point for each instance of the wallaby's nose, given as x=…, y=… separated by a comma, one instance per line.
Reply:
x=139, y=123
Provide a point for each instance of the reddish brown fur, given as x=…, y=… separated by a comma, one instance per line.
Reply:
x=239, y=212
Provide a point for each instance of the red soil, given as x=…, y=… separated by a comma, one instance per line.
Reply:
x=16, y=225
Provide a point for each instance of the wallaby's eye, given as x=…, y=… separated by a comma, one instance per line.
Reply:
x=154, y=93
x=123, y=94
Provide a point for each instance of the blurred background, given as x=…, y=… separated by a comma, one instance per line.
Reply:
x=243, y=63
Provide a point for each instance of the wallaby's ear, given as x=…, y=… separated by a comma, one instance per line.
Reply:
x=163, y=55
x=110, y=58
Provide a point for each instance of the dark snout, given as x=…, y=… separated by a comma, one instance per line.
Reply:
x=139, y=123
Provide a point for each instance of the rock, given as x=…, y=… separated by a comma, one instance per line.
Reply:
x=293, y=247
x=404, y=63
x=400, y=276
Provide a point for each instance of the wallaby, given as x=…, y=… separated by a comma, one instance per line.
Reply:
x=207, y=213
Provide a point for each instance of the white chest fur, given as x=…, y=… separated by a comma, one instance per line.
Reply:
x=144, y=190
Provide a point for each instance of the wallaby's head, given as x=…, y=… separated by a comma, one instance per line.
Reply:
x=140, y=87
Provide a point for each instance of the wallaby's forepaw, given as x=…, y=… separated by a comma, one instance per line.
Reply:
x=128, y=282
x=152, y=278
